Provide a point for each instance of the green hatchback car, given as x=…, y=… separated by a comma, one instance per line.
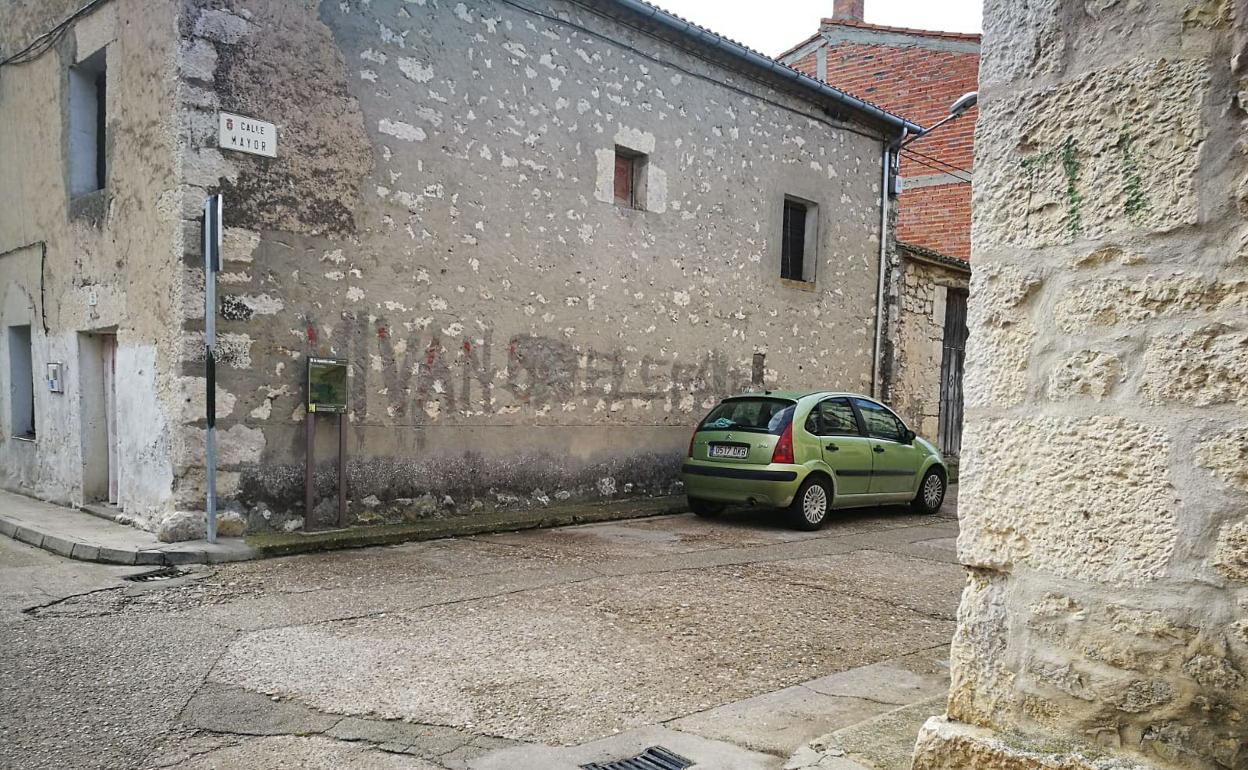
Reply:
x=809, y=453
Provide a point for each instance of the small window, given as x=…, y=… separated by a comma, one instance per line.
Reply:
x=630, y=170
x=834, y=417
x=88, y=112
x=880, y=422
x=21, y=383
x=797, y=240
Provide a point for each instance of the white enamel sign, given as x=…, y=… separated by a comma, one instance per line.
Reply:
x=247, y=135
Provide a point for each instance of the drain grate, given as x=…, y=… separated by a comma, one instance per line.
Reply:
x=164, y=573
x=653, y=758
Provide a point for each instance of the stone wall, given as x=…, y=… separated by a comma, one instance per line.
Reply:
x=921, y=284
x=444, y=218
x=1103, y=502
x=74, y=266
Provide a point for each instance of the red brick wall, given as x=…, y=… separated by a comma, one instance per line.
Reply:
x=806, y=65
x=919, y=84
x=937, y=217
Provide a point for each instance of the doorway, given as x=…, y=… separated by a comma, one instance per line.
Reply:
x=952, y=360
x=101, y=474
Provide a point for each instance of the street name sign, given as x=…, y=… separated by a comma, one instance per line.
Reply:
x=249, y=135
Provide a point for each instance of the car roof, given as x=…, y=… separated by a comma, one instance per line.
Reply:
x=798, y=395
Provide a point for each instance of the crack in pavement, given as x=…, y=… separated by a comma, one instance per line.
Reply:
x=841, y=591
x=34, y=610
x=235, y=711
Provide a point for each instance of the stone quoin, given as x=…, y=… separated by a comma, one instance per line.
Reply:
x=1105, y=620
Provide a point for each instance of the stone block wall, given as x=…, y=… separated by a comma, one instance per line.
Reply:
x=78, y=267
x=445, y=219
x=917, y=335
x=1104, y=505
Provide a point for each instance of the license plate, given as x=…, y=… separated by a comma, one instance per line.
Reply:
x=727, y=450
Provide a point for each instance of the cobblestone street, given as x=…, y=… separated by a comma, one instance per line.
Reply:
x=491, y=651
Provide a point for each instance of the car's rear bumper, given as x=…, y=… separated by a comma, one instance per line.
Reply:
x=770, y=485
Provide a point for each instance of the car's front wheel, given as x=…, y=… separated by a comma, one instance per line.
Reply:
x=705, y=507
x=931, y=492
x=809, y=509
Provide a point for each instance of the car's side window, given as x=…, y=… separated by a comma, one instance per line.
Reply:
x=879, y=421
x=835, y=418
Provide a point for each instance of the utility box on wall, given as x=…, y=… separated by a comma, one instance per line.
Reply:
x=56, y=377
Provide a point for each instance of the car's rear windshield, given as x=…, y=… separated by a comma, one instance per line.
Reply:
x=759, y=415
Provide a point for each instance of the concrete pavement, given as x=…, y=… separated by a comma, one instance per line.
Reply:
x=735, y=640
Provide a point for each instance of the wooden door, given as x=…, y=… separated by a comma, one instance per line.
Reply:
x=951, y=364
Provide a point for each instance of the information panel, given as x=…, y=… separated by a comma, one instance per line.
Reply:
x=327, y=385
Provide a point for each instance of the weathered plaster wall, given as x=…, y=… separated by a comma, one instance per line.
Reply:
x=1105, y=622
x=109, y=255
x=444, y=218
x=916, y=343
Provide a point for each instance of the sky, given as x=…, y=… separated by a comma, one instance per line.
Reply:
x=773, y=26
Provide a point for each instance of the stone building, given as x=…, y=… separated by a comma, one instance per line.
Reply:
x=917, y=73
x=1104, y=499
x=545, y=237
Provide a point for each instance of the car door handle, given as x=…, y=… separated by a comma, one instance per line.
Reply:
x=833, y=447
x=879, y=449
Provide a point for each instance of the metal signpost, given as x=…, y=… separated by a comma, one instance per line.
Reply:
x=212, y=264
x=327, y=394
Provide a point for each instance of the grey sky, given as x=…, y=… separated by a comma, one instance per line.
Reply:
x=771, y=26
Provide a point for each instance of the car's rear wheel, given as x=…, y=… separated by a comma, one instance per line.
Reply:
x=705, y=507
x=809, y=509
x=931, y=492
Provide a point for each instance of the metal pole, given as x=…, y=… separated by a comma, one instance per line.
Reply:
x=309, y=471
x=342, y=470
x=212, y=263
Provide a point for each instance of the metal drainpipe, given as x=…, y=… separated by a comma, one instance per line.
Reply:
x=877, y=363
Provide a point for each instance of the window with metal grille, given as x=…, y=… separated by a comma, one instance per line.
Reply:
x=793, y=241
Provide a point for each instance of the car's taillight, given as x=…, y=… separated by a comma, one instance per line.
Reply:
x=783, y=454
x=691, y=439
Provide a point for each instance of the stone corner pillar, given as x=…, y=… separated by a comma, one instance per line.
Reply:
x=1104, y=498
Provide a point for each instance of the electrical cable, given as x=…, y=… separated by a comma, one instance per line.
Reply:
x=938, y=160
x=41, y=44
x=940, y=170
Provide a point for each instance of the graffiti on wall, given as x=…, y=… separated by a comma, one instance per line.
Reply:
x=1070, y=159
x=418, y=376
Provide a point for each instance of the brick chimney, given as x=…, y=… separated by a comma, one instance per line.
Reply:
x=848, y=10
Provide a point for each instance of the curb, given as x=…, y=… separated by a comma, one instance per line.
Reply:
x=272, y=544
x=126, y=557
x=269, y=545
